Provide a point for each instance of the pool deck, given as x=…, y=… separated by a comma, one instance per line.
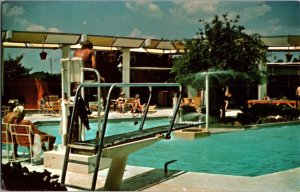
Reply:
x=150, y=179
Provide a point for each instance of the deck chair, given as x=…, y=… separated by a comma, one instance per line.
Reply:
x=54, y=104
x=7, y=139
x=23, y=136
x=152, y=109
x=197, y=101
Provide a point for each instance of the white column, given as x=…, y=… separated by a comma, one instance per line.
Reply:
x=2, y=70
x=126, y=70
x=262, y=89
x=64, y=89
x=207, y=101
x=65, y=53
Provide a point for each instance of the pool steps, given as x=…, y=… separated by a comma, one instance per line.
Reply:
x=55, y=159
x=191, y=133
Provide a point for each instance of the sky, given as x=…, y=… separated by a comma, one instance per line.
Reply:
x=168, y=19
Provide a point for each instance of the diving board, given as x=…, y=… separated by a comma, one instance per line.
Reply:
x=119, y=146
x=124, y=138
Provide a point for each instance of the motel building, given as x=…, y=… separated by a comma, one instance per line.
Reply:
x=141, y=60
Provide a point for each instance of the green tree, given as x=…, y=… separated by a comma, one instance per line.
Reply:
x=13, y=68
x=223, y=48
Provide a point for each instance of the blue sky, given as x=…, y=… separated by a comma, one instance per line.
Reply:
x=171, y=19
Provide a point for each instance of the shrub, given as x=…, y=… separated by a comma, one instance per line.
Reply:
x=18, y=178
x=187, y=109
x=259, y=112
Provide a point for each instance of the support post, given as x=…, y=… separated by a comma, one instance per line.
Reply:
x=207, y=101
x=262, y=89
x=115, y=174
x=126, y=70
x=65, y=53
x=2, y=70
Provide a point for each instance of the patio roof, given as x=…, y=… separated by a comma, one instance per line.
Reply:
x=47, y=40
x=282, y=43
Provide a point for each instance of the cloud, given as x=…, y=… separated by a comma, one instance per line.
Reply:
x=256, y=11
x=138, y=33
x=146, y=7
x=193, y=7
x=18, y=17
x=34, y=27
x=11, y=11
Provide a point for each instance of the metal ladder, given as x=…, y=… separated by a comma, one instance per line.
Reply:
x=96, y=147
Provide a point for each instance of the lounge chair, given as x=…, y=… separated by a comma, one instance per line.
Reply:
x=23, y=136
x=7, y=139
x=54, y=104
x=152, y=109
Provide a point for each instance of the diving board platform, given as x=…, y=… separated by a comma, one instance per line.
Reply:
x=119, y=146
x=124, y=138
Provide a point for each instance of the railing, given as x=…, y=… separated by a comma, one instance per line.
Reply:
x=109, y=98
x=100, y=143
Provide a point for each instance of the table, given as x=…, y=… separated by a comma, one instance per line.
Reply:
x=290, y=103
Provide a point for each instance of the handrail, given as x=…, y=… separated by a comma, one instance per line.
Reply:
x=101, y=135
x=99, y=109
x=119, y=85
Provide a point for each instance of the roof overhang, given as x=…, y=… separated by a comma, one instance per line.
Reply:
x=282, y=43
x=47, y=40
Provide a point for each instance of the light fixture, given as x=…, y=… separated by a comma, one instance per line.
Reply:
x=43, y=54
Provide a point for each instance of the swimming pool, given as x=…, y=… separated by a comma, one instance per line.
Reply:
x=245, y=153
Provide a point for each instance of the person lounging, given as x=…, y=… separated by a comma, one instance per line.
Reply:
x=19, y=113
x=137, y=106
x=121, y=102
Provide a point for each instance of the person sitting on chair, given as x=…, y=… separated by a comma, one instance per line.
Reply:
x=121, y=102
x=45, y=137
x=44, y=102
x=9, y=118
x=137, y=106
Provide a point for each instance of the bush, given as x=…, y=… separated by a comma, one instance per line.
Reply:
x=260, y=112
x=18, y=178
x=187, y=109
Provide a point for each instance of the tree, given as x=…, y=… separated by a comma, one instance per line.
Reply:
x=224, y=48
x=13, y=68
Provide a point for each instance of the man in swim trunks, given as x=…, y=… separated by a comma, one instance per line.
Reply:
x=18, y=116
x=10, y=118
x=88, y=57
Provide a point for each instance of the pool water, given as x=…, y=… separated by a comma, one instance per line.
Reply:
x=113, y=127
x=245, y=153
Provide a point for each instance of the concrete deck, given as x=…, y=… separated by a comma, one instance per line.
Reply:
x=149, y=179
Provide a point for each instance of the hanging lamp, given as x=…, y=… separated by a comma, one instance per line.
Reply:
x=43, y=54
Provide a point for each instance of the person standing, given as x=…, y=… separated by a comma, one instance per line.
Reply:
x=227, y=98
x=87, y=54
x=297, y=97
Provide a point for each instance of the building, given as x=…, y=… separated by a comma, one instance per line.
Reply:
x=125, y=59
